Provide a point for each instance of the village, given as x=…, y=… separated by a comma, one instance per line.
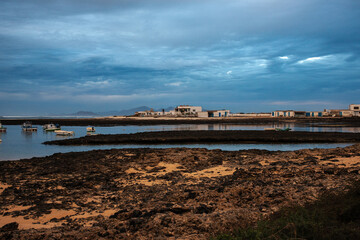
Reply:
x=197, y=111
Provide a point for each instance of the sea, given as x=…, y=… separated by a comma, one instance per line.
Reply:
x=17, y=144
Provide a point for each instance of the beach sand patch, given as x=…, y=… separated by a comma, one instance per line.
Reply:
x=37, y=223
x=343, y=161
x=217, y=171
x=3, y=186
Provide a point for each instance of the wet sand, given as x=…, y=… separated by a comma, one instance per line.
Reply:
x=176, y=193
x=215, y=136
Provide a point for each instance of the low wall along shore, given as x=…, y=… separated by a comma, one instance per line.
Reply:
x=233, y=136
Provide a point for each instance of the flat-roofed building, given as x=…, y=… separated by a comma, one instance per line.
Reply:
x=187, y=110
x=288, y=113
x=356, y=109
x=218, y=113
x=314, y=114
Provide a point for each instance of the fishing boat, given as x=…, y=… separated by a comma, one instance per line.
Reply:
x=90, y=129
x=64, y=133
x=51, y=127
x=27, y=127
x=2, y=128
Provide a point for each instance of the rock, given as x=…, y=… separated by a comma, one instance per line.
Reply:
x=203, y=209
x=13, y=226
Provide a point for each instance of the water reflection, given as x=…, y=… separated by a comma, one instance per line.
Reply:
x=28, y=135
x=18, y=144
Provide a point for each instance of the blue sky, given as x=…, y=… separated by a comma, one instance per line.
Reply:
x=247, y=56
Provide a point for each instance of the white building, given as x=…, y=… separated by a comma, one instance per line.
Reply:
x=218, y=113
x=150, y=113
x=346, y=113
x=250, y=114
x=187, y=110
x=288, y=113
x=356, y=109
x=315, y=114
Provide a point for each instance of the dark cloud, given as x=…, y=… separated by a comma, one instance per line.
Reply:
x=124, y=53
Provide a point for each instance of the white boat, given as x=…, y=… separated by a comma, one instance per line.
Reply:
x=2, y=128
x=90, y=129
x=51, y=127
x=64, y=133
x=27, y=127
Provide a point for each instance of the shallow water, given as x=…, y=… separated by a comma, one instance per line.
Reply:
x=17, y=144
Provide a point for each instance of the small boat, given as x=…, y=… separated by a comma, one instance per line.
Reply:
x=2, y=128
x=90, y=129
x=27, y=127
x=282, y=129
x=269, y=129
x=91, y=134
x=51, y=127
x=64, y=133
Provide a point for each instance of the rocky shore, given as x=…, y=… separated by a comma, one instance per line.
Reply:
x=176, y=193
x=216, y=136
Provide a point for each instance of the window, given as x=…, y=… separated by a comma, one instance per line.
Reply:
x=357, y=108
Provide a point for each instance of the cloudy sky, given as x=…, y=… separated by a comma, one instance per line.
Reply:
x=247, y=56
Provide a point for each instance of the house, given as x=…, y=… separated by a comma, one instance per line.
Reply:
x=218, y=113
x=346, y=113
x=314, y=114
x=149, y=113
x=288, y=113
x=187, y=110
x=356, y=109
x=250, y=114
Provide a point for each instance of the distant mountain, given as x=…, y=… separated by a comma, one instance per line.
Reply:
x=84, y=113
x=126, y=112
x=166, y=109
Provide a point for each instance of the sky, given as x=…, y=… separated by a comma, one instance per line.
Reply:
x=247, y=56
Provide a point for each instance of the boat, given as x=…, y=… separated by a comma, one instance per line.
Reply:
x=51, y=127
x=270, y=129
x=282, y=129
x=64, y=133
x=90, y=129
x=91, y=134
x=2, y=128
x=27, y=127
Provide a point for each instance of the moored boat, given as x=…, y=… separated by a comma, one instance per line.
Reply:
x=90, y=129
x=2, y=128
x=27, y=127
x=51, y=127
x=64, y=133
x=282, y=129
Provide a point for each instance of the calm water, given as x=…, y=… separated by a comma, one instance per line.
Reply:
x=17, y=144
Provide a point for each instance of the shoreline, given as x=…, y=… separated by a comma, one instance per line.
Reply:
x=124, y=121
x=213, y=136
x=177, y=192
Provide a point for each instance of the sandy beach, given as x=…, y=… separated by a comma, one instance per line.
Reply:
x=173, y=193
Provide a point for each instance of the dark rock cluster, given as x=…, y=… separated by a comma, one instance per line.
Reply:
x=174, y=193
